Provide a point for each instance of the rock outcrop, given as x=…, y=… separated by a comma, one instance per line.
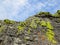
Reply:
x=41, y=29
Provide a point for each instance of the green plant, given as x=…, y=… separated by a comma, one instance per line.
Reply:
x=33, y=24
x=20, y=28
x=40, y=13
x=22, y=24
x=45, y=13
x=49, y=26
x=2, y=29
x=29, y=31
x=7, y=21
x=58, y=11
x=43, y=23
x=37, y=20
x=57, y=14
x=50, y=35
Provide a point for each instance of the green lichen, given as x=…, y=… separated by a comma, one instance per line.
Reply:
x=33, y=24
x=43, y=23
x=2, y=28
x=37, y=20
x=21, y=27
x=22, y=24
x=50, y=35
x=49, y=26
x=29, y=31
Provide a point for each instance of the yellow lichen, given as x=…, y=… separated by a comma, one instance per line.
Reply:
x=29, y=31
x=20, y=28
x=50, y=35
x=33, y=24
x=43, y=23
x=49, y=26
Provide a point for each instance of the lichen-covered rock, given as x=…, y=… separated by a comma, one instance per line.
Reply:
x=41, y=29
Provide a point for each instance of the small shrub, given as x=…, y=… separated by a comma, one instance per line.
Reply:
x=40, y=13
x=58, y=11
x=7, y=21
x=57, y=14
x=45, y=13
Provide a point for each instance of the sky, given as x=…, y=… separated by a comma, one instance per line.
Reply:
x=20, y=10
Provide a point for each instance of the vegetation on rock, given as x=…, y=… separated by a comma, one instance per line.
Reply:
x=21, y=27
x=57, y=14
x=7, y=21
x=29, y=31
x=38, y=29
x=43, y=23
x=2, y=29
x=45, y=13
x=33, y=24
x=49, y=26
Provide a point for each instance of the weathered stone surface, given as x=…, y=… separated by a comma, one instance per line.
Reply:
x=9, y=34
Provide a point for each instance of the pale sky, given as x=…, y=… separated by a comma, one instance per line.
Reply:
x=20, y=10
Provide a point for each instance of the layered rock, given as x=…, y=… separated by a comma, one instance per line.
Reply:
x=41, y=29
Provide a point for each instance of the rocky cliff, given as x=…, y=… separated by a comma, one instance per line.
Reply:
x=40, y=29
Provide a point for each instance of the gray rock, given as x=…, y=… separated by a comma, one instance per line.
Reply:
x=23, y=44
x=17, y=40
x=36, y=39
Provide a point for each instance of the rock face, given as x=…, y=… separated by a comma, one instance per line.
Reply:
x=36, y=30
